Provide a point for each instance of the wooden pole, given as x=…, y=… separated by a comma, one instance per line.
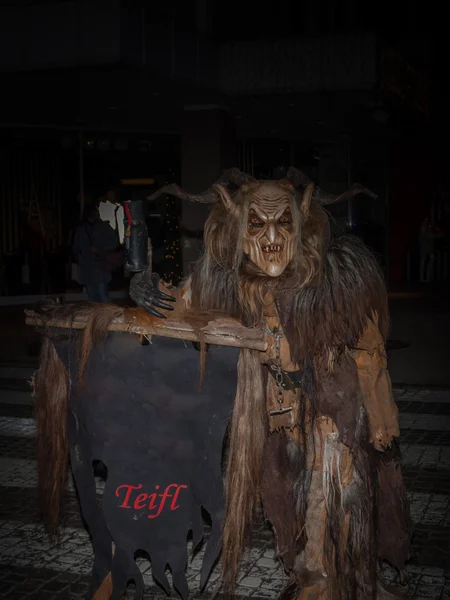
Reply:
x=222, y=332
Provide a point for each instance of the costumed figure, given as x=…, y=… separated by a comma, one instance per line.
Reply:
x=313, y=425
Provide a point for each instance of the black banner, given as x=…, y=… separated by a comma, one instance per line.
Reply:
x=139, y=411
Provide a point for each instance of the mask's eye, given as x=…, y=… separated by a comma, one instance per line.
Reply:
x=255, y=222
x=285, y=219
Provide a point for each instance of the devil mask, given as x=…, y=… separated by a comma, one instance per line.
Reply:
x=260, y=221
x=269, y=214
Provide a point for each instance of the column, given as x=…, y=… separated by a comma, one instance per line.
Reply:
x=207, y=149
x=204, y=16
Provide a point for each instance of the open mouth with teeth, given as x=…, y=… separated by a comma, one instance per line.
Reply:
x=272, y=249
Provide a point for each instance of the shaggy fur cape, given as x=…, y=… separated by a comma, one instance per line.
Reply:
x=323, y=321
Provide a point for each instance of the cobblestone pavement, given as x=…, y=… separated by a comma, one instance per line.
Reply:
x=33, y=567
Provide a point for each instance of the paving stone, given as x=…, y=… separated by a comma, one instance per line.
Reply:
x=250, y=582
x=427, y=591
x=432, y=580
x=433, y=571
x=6, y=587
x=270, y=563
x=28, y=587
x=79, y=588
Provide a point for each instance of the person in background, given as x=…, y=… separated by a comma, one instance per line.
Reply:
x=430, y=233
x=94, y=242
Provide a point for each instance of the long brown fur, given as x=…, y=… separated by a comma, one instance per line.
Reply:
x=246, y=446
x=52, y=387
x=52, y=390
x=95, y=332
x=324, y=300
x=332, y=314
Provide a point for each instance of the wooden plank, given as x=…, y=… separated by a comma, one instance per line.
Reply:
x=221, y=332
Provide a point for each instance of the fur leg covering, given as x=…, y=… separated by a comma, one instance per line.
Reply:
x=277, y=495
x=337, y=561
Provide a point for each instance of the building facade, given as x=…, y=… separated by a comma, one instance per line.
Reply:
x=125, y=90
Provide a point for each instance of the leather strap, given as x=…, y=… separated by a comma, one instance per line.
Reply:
x=291, y=380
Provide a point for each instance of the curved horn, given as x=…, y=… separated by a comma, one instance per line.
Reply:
x=356, y=188
x=236, y=177
x=210, y=196
x=308, y=195
x=299, y=179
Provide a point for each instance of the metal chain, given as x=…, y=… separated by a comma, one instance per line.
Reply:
x=279, y=374
x=278, y=335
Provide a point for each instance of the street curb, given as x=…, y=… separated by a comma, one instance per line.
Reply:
x=17, y=372
x=424, y=387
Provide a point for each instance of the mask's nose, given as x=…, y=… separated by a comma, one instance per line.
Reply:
x=271, y=233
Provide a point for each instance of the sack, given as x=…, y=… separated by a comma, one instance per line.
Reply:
x=111, y=261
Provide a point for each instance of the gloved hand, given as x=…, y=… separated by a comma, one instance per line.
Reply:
x=144, y=291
